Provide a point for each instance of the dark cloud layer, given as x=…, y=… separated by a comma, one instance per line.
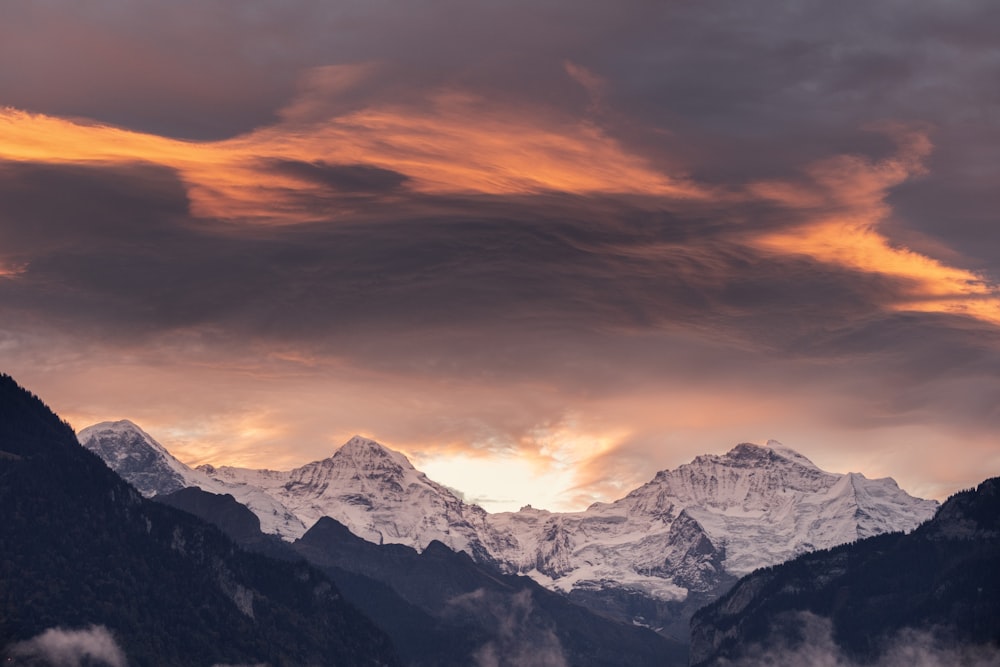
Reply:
x=732, y=91
x=359, y=178
x=120, y=242
x=801, y=212
x=511, y=288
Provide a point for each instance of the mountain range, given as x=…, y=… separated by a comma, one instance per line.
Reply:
x=92, y=572
x=441, y=608
x=650, y=558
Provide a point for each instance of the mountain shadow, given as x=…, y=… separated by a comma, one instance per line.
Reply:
x=509, y=616
x=441, y=608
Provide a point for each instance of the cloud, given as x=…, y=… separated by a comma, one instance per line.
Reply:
x=59, y=647
x=816, y=647
x=449, y=141
x=682, y=224
x=728, y=93
x=847, y=205
x=518, y=638
x=344, y=177
x=449, y=324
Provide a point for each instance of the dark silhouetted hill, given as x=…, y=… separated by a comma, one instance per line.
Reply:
x=942, y=579
x=80, y=547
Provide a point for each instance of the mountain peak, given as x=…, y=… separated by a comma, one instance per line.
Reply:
x=748, y=452
x=360, y=442
x=364, y=452
x=135, y=455
x=126, y=435
x=119, y=426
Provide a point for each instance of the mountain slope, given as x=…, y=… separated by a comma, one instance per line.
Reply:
x=223, y=511
x=509, y=617
x=755, y=505
x=441, y=608
x=652, y=557
x=943, y=578
x=682, y=538
x=152, y=470
x=378, y=495
x=79, y=546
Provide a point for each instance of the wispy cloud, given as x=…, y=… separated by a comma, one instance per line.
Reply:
x=518, y=639
x=60, y=647
x=909, y=648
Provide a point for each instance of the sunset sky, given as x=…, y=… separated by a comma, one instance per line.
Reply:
x=544, y=248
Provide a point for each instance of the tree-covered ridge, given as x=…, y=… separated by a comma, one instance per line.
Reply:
x=942, y=578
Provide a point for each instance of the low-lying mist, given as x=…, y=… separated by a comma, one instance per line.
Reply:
x=909, y=648
x=93, y=646
x=519, y=640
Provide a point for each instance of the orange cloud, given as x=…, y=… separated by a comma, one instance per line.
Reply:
x=844, y=199
x=451, y=142
x=545, y=466
x=10, y=269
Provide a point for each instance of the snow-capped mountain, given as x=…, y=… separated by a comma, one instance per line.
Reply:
x=686, y=531
x=135, y=456
x=377, y=494
x=152, y=470
x=751, y=507
x=872, y=598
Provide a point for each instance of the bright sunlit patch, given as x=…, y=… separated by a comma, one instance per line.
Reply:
x=11, y=269
x=543, y=471
x=245, y=435
x=500, y=484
